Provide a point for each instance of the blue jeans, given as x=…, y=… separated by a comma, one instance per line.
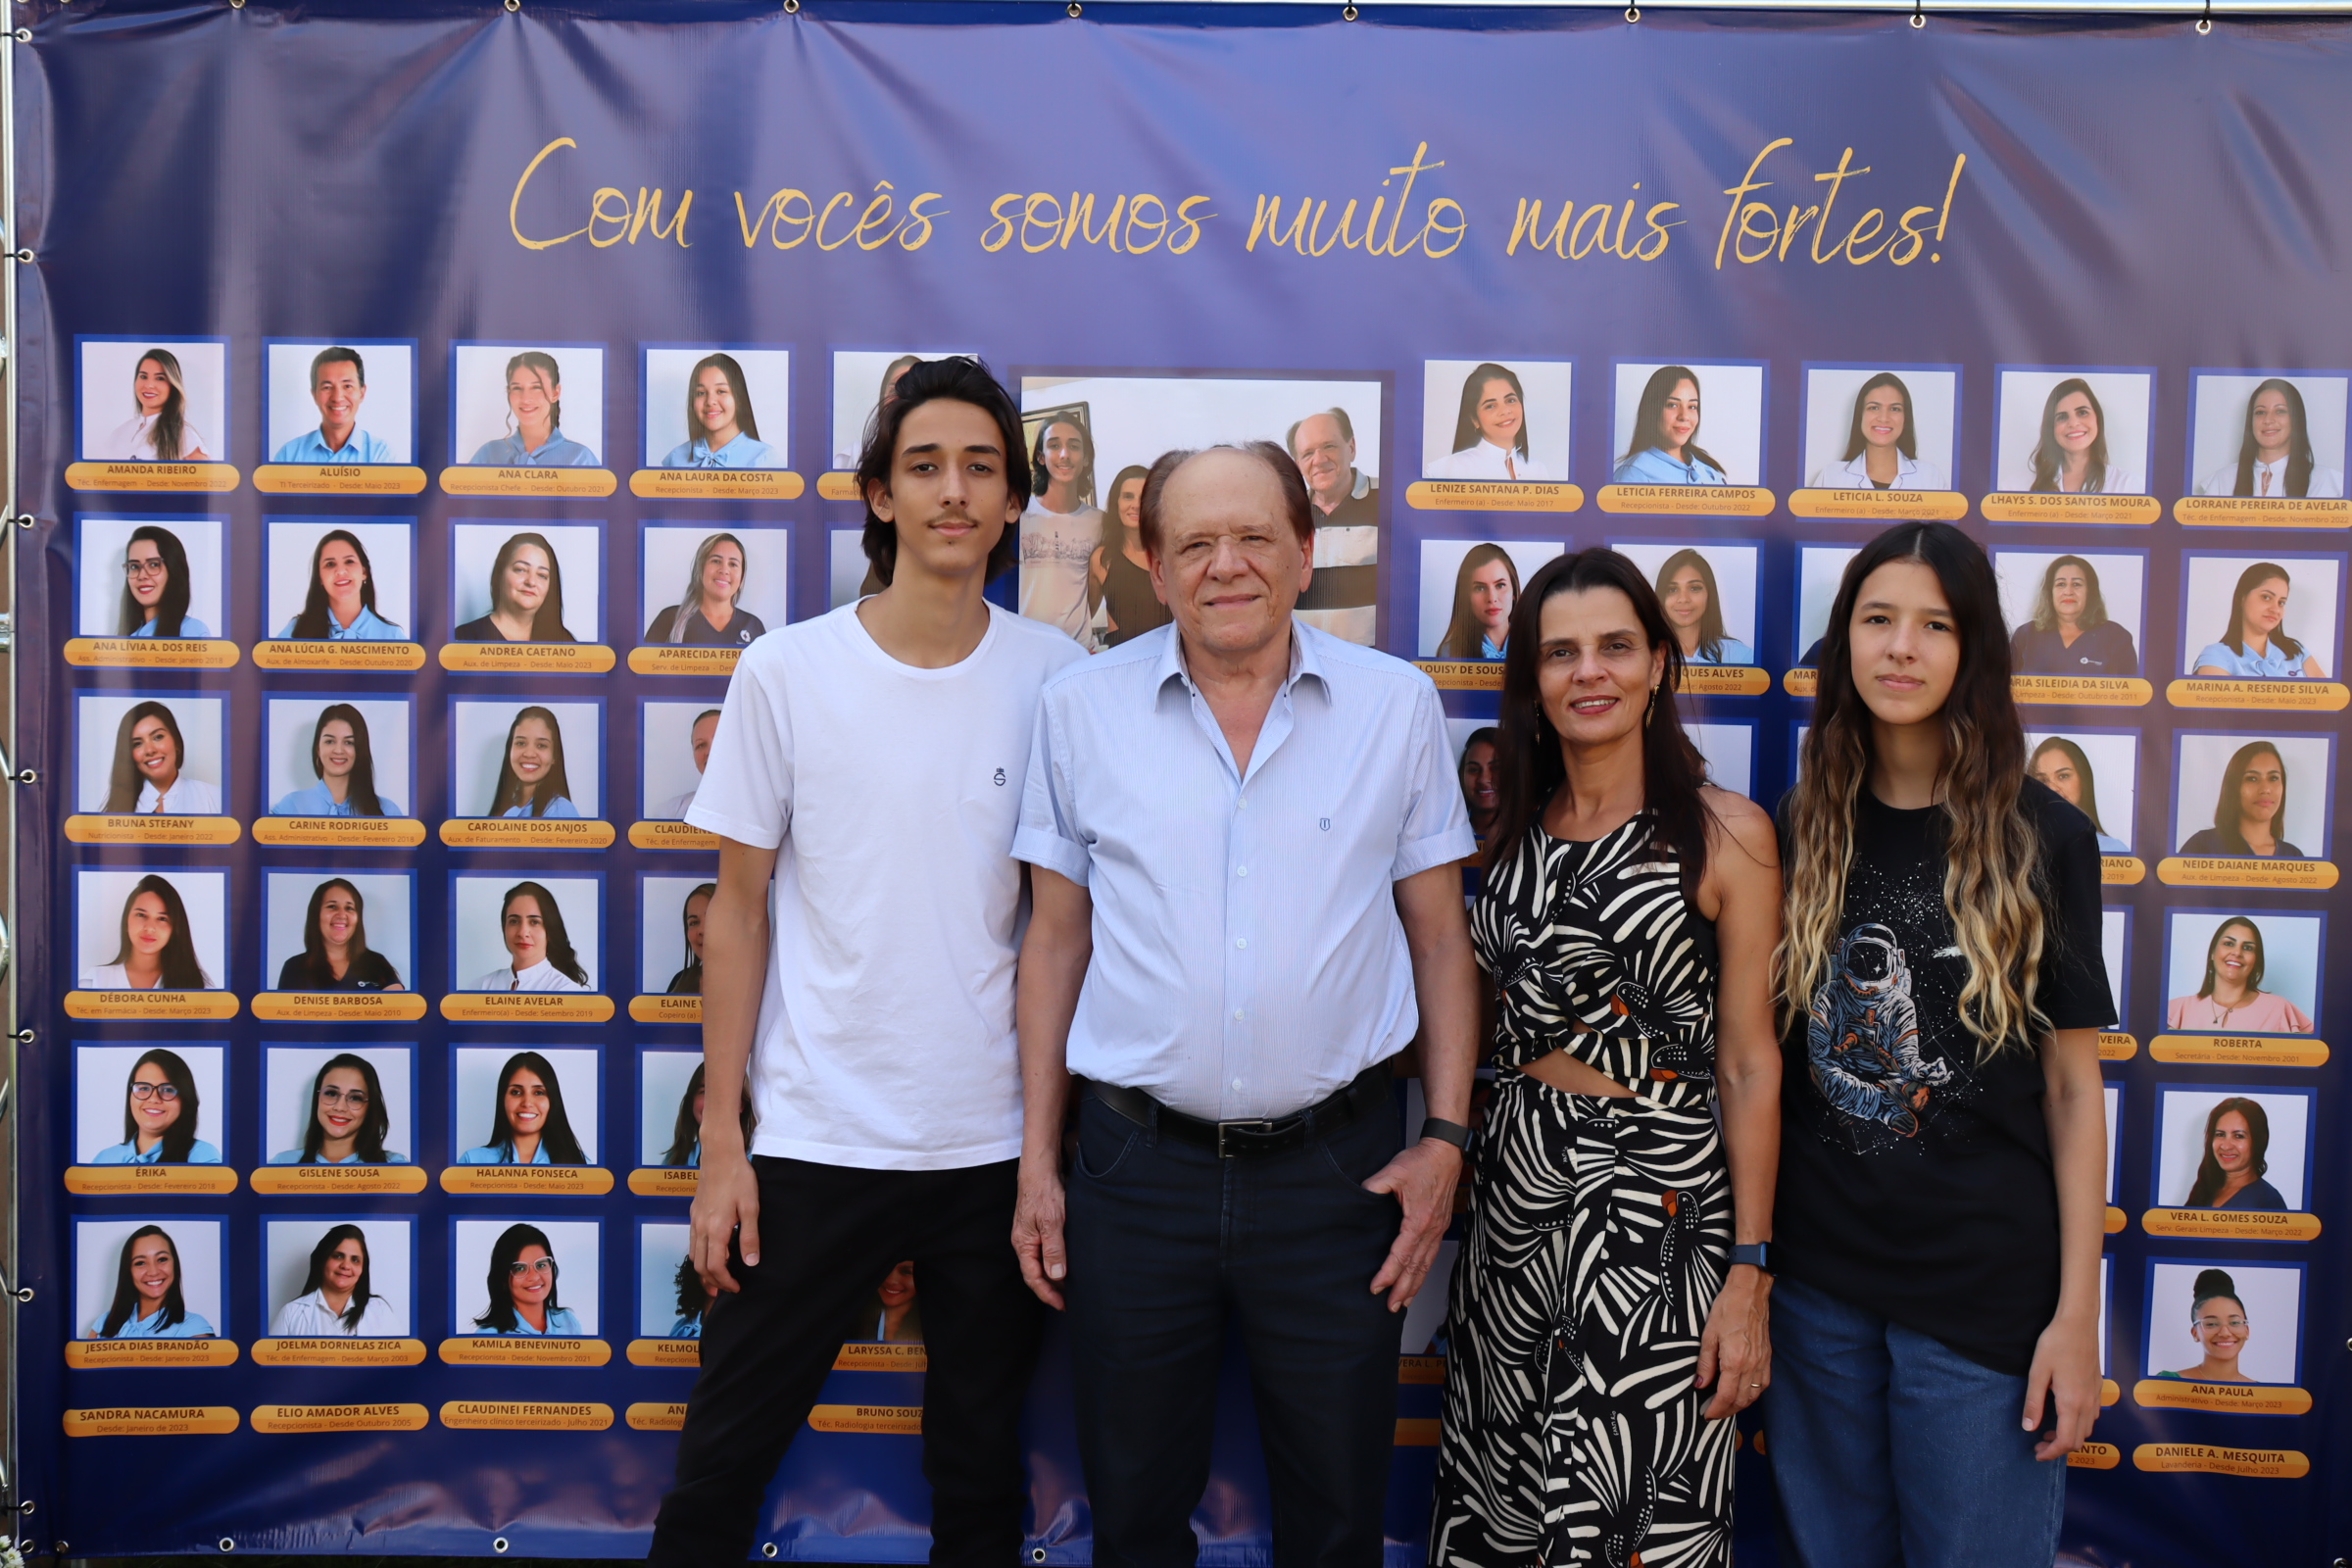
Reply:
x=1165, y=1241
x=1890, y=1449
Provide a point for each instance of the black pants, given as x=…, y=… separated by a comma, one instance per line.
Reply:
x=827, y=1236
x=1166, y=1240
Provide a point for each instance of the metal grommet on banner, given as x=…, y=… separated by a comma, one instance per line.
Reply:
x=769, y=1550
x=791, y=7
x=26, y=1507
x=1919, y=16
x=24, y=35
x=1632, y=13
x=1346, y=13
x=25, y=1037
x=228, y=1544
x=1075, y=8
x=24, y=257
x=1038, y=1553
x=499, y=1544
x=2205, y=22
x=24, y=519
x=237, y=5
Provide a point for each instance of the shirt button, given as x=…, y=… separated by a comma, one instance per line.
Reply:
x=1236, y=1085
x=1241, y=870
x=1237, y=1013
x=1240, y=942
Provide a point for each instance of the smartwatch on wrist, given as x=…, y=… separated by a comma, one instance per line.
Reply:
x=1446, y=1132
x=1752, y=1255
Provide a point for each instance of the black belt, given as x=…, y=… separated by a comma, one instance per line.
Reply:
x=1232, y=1139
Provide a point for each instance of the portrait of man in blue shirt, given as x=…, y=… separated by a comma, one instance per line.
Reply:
x=338, y=385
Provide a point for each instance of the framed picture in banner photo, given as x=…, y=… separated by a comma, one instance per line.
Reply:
x=1091, y=435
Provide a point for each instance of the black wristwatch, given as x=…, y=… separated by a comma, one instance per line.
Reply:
x=1752, y=1255
x=1446, y=1132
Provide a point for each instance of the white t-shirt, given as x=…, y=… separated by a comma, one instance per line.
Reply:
x=540, y=976
x=885, y=1038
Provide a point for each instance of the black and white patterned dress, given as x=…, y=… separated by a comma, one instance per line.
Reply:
x=1599, y=1228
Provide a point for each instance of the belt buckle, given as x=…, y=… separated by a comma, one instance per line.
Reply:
x=1257, y=1128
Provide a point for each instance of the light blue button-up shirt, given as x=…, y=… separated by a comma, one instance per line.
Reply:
x=1653, y=466
x=744, y=452
x=293, y=1156
x=560, y=452
x=561, y=1325
x=311, y=447
x=316, y=802
x=504, y=1155
x=191, y=1326
x=2251, y=666
x=127, y=1152
x=366, y=627
x=1249, y=959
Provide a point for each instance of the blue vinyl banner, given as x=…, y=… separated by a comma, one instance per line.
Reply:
x=421, y=404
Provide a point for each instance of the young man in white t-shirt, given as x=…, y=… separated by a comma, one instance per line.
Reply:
x=867, y=994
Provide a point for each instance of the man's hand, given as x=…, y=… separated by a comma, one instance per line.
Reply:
x=1036, y=1219
x=1735, y=1350
x=1422, y=1178
x=726, y=1200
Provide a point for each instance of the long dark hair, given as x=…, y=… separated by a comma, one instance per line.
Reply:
x=172, y=419
x=1710, y=624
x=2209, y=1180
x=313, y=623
x=2253, y=577
x=557, y=785
x=375, y=1127
x=562, y=1145
x=315, y=965
x=2088, y=806
x=182, y=970
x=693, y=1299
x=688, y=1129
x=1466, y=431
x=1527, y=759
x=2045, y=601
x=1991, y=887
x=361, y=1293
x=1651, y=409
x=558, y=941
x=1039, y=478
x=2228, y=820
x=172, y=609
x=963, y=379
x=361, y=791
x=507, y=1248
x=745, y=420
x=126, y=1295
x=2049, y=461
x=122, y=788
x=693, y=960
x=1465, y=632
x=180, y=1136
x=2262, y=955
x=1907, y=443
x=2299, y=461
x=547, y=623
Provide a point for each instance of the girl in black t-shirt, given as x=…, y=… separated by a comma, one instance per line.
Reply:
x=1943, y=1150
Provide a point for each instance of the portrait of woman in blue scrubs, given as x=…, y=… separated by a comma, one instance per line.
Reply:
x=527, y=1123
x=1694, y=609
x=155, y=586
x=147, y=1301
x=2256, y=647
x=535, y=437
x=531, y=780
x=161, y=1112
x=521, y=1288
x=349, y=1119
x=1664, y=448
x=343, y=762
x=340, y=603
x=723, y=433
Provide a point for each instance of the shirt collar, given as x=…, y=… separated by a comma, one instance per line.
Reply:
x=1304, y=660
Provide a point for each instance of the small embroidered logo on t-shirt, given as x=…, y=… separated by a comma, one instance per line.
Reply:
x=999, y=778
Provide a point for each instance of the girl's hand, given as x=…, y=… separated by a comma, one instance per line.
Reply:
x=1737, y=1342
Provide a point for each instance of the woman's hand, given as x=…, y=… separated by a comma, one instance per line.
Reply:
x=1735, y=1353
x=2066, y=1369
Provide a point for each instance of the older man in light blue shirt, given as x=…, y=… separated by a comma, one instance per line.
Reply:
x=338, y=385
x=1243, y=835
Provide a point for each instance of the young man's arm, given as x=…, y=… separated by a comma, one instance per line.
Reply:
x=1059, y=942
x=735, y=944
